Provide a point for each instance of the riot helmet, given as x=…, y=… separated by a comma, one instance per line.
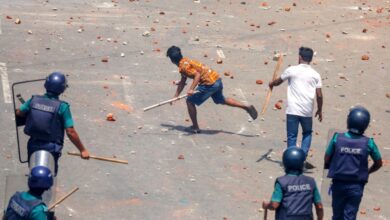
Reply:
x=56, y=83
x=40, y=178
x=293, y=160
x=358, y=120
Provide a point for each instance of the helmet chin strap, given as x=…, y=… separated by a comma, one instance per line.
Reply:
x=355, y=131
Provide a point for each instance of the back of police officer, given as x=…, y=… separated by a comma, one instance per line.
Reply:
x=295, y=193
x=29, y=205
x=47, y=117
x=347, y=160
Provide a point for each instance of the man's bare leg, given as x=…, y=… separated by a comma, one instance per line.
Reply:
x=248, y=108
x=192, y=112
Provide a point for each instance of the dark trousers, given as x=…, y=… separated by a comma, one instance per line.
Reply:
x=54, y=148
x=346, y=198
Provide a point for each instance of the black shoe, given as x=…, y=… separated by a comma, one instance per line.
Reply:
x=252, y=112
x=191, y=129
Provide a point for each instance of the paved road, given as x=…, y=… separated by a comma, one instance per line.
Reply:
x=219, y=177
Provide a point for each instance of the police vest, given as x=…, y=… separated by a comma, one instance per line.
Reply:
x=298, y=197
x=20, y=209
x=43, y=121
x=349, y=161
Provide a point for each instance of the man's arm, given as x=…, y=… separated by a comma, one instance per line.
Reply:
x=276, y=82
x=181, y=85
x=271, y=205
x=195, y=82
x=319, y=104
x=20, y=113
x=377, y=164
x=75, y=139
x=319, y=211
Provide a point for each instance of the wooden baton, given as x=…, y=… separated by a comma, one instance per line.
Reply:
x=165, y=102
x=63, y=198
x=101, y=158
x=274, y=76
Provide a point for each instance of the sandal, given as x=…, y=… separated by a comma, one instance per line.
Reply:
x=252, y=112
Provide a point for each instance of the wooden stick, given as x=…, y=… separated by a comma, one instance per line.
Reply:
x=63, y=198
x=274, y=76
x=101, y=158
x=164, y=102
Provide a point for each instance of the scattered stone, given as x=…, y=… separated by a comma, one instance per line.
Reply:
x=377, y=209
x=110, y=117
x=344, y=32
x=80, y=30
x=142, y=52
x=124, y=43
x=363, y=212
x=180, y=157
x=278, y=105
x=122, y=54
x=140, y=127
x=365, y=57
x=327, y=35
x=164, y=130
x=271, y=23
x=29, y=32
x=287, y=9
x=162, y=13
x=105, y=59
x=259, y=81
x=18, y=21
x=226, y=73
x=146, y=34
x=8, y=17
x=364, y=30
x=219, y=61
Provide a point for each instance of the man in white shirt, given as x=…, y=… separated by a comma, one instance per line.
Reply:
x=304, y=83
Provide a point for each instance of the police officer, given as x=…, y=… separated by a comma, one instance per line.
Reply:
x=47, y=118
x=294, y=193
x=347, y=160
x=29, y=205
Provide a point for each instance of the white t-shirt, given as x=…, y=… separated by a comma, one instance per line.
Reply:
x=303, y=81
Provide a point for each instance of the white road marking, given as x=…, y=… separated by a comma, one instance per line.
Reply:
x=0, y=27
x=221, y=54
x=125, y=84
x=5, y=83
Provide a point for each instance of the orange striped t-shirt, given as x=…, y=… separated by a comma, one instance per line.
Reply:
x=191, y=67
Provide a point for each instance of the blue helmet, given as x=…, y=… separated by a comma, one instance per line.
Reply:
x=56, y=83
x=40, y=178
x=293, y=160
x=358, y=120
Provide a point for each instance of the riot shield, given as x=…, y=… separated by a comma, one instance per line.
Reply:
x=22, y=91
x=326, y=193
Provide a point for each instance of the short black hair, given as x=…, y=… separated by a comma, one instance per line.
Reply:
x=175, y=54
x=306, y=53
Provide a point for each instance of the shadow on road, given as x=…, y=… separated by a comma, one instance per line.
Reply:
x=203, y=131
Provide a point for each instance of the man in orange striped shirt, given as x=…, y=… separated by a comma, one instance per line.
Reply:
x=207, y=82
